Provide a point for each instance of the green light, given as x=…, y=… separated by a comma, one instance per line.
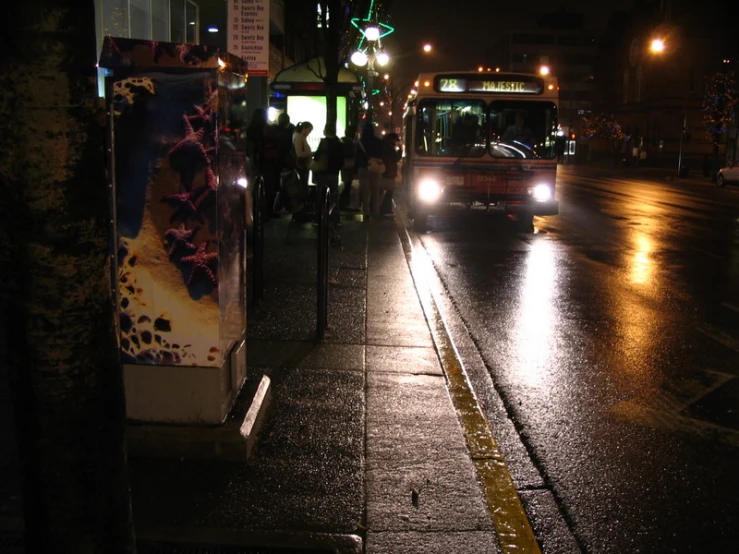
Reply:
x=362, y=24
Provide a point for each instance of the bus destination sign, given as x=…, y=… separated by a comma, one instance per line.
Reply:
x=504, y=84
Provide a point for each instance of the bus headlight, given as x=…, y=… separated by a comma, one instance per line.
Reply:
x=429, y=191
x=541, y=193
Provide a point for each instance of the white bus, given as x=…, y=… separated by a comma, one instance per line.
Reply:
x=484, y=139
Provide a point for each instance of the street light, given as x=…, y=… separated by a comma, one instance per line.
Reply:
x=658, y=46
x=372, y=55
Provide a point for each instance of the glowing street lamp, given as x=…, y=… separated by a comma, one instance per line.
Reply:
x=359, y=58
x=370, y=56
x=658, y=47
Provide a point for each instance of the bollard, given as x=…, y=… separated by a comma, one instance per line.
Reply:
x=258, y=238
x=322, y=211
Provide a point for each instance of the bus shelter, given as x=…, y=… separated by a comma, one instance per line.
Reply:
x=300, y=90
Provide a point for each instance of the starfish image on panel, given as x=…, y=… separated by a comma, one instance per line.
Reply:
x=206, y=192
x=203, y=264
x=184, y=205
x=189, y=155
x=179, y=240
x=204, y=114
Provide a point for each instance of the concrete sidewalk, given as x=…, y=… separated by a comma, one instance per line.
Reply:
x=361, y=449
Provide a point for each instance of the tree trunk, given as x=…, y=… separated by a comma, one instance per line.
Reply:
x=56, y=287
x=331, y=58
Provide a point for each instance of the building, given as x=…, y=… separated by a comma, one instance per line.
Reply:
x=657, y=95
x=191, y=22
x=561, y=42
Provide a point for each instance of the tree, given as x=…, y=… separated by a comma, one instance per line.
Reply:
x=719, y=108
x=55, y=294
x=604, y=126
x=330, y=36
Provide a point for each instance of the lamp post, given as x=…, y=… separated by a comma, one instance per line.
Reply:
x=372, y=55
x=658, y=46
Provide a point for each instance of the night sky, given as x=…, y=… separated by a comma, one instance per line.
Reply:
x=462, y=31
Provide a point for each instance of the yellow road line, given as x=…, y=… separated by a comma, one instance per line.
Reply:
x=512, y=526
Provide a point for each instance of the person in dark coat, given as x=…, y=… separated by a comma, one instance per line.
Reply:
x=391, y=154
x=348, y=141
x=327, y=162
x=368, y=146
x=261, y=149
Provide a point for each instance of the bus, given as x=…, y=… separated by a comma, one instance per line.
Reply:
x=481, y=139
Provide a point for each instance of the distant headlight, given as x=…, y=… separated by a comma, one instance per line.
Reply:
x=541, y=193
x=242, y=182
x=429, y=191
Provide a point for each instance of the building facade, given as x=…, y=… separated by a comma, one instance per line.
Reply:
x=189, y=22
x=560, y=42
x=657, y=95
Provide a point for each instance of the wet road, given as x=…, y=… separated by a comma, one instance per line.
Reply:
x=611, y=335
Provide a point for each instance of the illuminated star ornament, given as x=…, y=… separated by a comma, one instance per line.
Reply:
x=370, y=22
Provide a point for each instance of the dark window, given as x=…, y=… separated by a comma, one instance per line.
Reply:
x=569, y=40
x=532, y=38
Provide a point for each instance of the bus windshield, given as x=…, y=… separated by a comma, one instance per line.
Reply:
x=451, y=127
x=468, y=128
x=522, y=129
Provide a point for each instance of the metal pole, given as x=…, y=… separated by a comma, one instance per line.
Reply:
x=682, y=134
x=323, y=248
x=685, y=114
x=258, y=247
x=370, y=82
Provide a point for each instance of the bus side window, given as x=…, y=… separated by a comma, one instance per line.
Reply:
x=422, y=139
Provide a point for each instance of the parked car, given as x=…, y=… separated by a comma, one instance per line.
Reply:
x=728, y=174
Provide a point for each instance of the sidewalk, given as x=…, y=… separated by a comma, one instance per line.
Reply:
x=361, y=449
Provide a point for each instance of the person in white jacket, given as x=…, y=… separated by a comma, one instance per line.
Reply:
x=303, y=152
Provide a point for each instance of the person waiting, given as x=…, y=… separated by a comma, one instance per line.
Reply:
x=368, y=146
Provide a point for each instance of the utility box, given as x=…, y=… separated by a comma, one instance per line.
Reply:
x=179, y=190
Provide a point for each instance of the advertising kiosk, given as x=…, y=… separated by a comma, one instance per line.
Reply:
x=179, y=191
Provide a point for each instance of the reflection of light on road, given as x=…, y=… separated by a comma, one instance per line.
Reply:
x=638, y=326
x=641, y=266
x=534, y=329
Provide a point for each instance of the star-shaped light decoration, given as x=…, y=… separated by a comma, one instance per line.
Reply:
x=368, y=23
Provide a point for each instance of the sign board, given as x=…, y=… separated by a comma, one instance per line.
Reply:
x=248, y=34
x=496, y=83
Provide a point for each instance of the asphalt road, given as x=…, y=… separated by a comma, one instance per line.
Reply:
x=611, y=337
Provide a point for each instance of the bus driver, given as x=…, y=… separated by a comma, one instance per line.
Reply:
x=518, y=132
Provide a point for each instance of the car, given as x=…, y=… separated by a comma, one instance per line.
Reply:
x=728, y=174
